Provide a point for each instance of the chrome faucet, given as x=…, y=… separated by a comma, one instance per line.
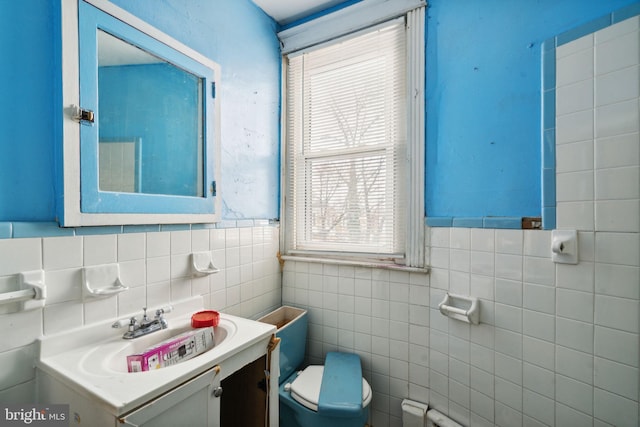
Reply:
x=145, y=326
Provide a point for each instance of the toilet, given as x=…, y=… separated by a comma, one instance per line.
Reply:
x=334, y=394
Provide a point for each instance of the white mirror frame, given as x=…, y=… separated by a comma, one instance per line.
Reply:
x=68, y=209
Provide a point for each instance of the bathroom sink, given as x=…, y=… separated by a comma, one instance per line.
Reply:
x=111, y=356
x=92, y=360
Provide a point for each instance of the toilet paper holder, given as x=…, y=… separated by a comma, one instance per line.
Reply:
x=461, y=307
x=564, y=246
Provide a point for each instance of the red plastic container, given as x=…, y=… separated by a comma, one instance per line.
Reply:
x=205, y=318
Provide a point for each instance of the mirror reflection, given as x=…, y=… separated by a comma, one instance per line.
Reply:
x=150, y=122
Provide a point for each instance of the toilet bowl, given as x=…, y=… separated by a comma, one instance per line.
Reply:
x=299, y=397
x=334, y=394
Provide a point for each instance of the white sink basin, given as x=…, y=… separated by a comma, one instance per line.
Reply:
x=92, y=359
x=111, y=356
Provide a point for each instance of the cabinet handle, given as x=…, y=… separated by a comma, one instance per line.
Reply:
x=217, y=392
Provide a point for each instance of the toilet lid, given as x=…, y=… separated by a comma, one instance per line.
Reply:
x=305, y=389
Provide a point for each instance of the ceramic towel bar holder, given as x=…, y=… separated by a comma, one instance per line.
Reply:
x=202, y=264
x=461, y=307
x=101, y=281
x=32, y=291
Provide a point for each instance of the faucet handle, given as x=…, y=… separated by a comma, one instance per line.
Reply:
x=130, y=322
x=164, y=310
x=121, y=323
x=133, y=323
x=159, y=312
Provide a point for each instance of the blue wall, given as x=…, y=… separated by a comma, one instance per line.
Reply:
x=234, y=33
x=483, y=100
x=27, y=127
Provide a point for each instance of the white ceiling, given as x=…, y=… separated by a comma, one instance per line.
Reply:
x=287, y=11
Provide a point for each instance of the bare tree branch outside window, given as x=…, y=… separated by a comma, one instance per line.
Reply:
x=348, y=200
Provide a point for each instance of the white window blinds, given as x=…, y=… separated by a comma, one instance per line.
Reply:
x=346, y=154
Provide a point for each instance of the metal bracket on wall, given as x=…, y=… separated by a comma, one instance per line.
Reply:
x=531, y=223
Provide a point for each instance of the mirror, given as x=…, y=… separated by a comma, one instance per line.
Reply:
x=143, y=98
x=119, y=166
x=140, y=123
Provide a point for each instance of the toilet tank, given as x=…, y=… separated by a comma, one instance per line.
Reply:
x=292, y=331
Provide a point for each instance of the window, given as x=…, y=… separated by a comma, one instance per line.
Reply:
x=348, y=148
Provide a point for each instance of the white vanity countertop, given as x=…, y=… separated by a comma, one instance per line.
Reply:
x=81, y=358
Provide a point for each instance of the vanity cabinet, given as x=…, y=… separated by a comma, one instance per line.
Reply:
x=234, y=383
x=199, y=402
x=196, y=403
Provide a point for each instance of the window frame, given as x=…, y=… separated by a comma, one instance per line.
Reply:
x=414, y=254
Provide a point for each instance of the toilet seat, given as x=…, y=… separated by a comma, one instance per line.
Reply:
x=305, y=389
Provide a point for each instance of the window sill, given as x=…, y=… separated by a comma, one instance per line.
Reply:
x=354, y=263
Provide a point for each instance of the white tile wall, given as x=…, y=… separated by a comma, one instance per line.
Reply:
x=545, y=354
x=154, y=265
